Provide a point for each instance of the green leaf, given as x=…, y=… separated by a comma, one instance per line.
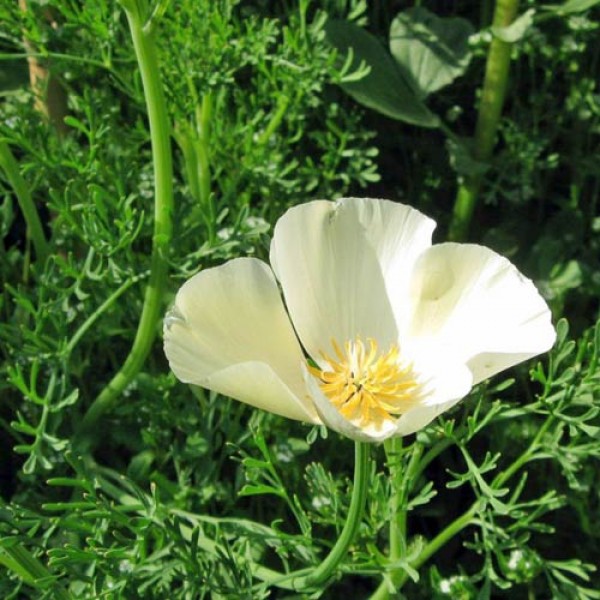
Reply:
x=386, y=88
x=259, y=490
x=516, y=30
x=433, y=50
x=571, y=6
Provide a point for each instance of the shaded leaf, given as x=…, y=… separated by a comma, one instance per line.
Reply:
x=434, y=50
x=571, y=6
x=386, y=88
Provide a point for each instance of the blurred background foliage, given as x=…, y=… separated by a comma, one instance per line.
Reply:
x=260, y=122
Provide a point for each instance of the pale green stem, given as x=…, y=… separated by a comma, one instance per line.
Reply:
x=34, y=226
x=488, y=118
x=194, y=144
x=276, y=120
x=145, y=50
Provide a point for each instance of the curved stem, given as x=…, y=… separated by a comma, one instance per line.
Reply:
x=357, y=507
x=89, y=322
x=305, y=579
x=34, y=226
x=145, y=50
x=490, y=110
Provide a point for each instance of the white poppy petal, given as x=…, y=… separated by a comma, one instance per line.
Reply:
x=474, y=305
x=228, y=331
x=340, y=264
x=420, y=416
x=444, y=379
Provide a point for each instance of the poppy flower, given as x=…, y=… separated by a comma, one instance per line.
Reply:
x=360, y=323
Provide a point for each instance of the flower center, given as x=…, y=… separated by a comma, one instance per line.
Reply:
x=365, y=385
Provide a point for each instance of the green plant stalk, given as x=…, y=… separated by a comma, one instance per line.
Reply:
x=89, y=322
x=393, y=451
x=11, y=170
x=145, y=50
x=490, y=109
x=440, y=540
x=401, y=481
x=31, y=570
x=525, y=456
x=382, y=592
x=357, y=507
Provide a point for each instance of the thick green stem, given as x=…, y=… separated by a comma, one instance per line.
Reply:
x=9, y=165
x=488, y=118
x=393, y=450
x=145, y=49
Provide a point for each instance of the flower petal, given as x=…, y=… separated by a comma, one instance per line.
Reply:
x=420, y=416
x=228, y=331
x=473, y=305
x=340, y=264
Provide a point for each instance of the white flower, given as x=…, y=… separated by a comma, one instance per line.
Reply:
x=380, y=331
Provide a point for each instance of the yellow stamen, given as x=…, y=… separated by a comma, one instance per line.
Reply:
x=367, y=386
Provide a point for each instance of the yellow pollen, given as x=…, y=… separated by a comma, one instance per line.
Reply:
x=367, y=386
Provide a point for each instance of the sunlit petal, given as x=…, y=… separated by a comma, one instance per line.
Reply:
x=341, y=264
x=474, y=305
x=228, y=331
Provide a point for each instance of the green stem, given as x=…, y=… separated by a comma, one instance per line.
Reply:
x=525, y=456
x=282, y=106
x=488, y=118
x=145, y=49
x=393, y=450
x=382, y=592
x=402, y=482
x=68, y=349
x=34, y=226
x=443, y=538
x=194, y=144
x=355, y=513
